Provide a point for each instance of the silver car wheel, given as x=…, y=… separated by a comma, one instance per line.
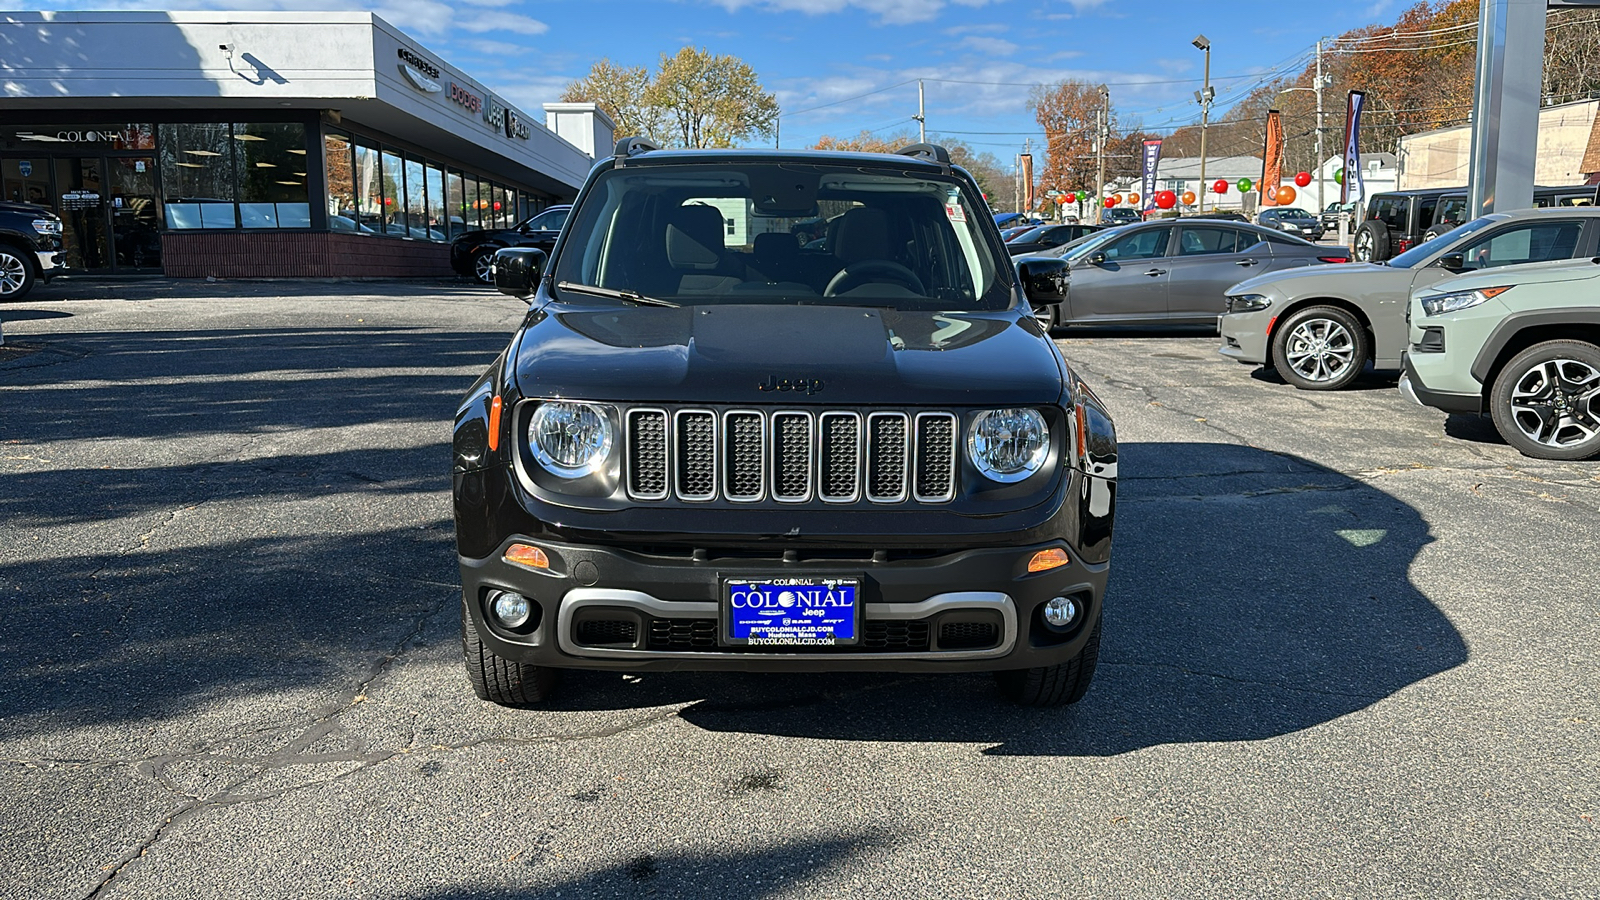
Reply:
x=1553, y=403
x=13, y=274
x=483, y=267
x=1363, y=250
x=1320, y=349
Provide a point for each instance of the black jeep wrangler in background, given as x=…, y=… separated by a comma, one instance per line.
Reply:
x=709, y=446
x=1396, y=221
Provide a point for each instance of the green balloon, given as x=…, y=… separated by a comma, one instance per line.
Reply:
x=1338, y=176
x=1244, y=185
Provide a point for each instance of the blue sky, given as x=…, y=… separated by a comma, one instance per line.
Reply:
x=815, y=53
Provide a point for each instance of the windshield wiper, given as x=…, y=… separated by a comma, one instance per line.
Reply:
x=627, y=296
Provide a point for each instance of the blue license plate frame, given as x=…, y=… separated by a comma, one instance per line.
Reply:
x=818, y=611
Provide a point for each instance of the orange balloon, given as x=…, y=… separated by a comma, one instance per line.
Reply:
x=1133, y=199
x=1188, y=198
x=1285, y=196
x=1116, y=198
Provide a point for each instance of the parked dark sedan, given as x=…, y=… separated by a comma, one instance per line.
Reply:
x=1292, y=220
x=1173, y=271
x=1046, y=236
x=472, y=253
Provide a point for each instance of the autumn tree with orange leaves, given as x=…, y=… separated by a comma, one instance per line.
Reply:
x=983, y=167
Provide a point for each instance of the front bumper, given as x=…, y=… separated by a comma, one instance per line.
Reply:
x=1244, y=335
x=49, y=264
x=657, y=608
x=1413, y=389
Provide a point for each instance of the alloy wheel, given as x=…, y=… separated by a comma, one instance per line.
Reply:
x=13, y=274
x=1553, y=403
x=1364, y=246
x=483, y=267
x=1320, y=349
x=1045, y=316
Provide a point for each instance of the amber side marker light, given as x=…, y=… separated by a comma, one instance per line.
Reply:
x=494, y=424
x=1045, y=560
x=524, y=555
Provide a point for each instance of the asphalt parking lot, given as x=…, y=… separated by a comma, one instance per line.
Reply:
x=1350, y=649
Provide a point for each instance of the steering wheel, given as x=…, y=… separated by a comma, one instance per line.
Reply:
x=870, y=271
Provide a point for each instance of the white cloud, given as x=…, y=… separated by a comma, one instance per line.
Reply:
x=515, y=23
x=987, y=28
x=992, y=46
x=890, y=12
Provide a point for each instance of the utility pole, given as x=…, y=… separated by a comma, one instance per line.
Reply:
x=1101, y=132
x=1322, y=199
x=777, y=132
x=921, y=116
x=1204, y=96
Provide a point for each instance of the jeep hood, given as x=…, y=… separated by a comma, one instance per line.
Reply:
x=845, y=355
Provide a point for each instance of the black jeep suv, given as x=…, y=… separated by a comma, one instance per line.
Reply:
x=30, y=248
x=698, y=453
x=472, y=252
x=1396, y=221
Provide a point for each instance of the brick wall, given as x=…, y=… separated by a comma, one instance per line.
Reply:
x=273, y=254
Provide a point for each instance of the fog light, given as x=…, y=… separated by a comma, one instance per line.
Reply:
x=524, y=555
x=1061, y=611
x=512, y=610
x=1045, y=560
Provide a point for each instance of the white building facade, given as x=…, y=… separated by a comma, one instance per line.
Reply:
x=268, y=144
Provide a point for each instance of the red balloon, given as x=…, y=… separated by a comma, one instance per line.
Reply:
x=1071, y=197
x=1110, y=203
x=1166, y=199
x=1303, y=179
x=1221, y=187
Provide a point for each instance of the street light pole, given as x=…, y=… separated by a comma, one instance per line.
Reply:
x=1204, y=96
x=1322, y=199
x=922, y=116
x=1101, y=132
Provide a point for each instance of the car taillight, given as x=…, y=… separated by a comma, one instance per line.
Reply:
x=1406, y=244
x=1333, y=259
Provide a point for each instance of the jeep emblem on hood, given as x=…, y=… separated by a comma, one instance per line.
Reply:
x=798, y=385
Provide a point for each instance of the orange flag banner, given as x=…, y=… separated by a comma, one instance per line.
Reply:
x=1272, y=171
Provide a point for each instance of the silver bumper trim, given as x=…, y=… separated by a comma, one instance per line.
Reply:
x=639, y=601
x=1409, y=392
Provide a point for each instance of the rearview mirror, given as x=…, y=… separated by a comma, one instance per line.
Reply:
x=1044, y=279
x=517, y=270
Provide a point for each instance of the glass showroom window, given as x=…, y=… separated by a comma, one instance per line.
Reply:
x=272, y=175
x=369, y=188
x=438, y=225
x=338, y=168
x=394, y=194
x=474, y=208
x=502, y=207
x=417, y=197
x=197, y=175
x=456, y=203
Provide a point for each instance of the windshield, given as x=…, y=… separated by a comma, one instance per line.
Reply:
x=785, y=233
x=1293, y=212
x=1032, y=234
x=1428, y=250
x=1072, y=251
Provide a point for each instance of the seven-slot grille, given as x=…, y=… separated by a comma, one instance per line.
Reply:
x=790, y=456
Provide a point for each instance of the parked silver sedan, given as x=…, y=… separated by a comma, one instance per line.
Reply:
x=1321, y=328
x=1171, y=271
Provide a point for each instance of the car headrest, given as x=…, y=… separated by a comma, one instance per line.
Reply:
x=694, y=238
x=776, y=247
x=863, y=234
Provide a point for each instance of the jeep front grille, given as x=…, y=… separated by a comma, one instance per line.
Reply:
x=790, y=456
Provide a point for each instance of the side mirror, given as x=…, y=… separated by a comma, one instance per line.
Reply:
x=517, y=270
x=1451, y=261
x=1044, y=279
x=1095, y=259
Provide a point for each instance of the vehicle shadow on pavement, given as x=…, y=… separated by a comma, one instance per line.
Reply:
x=1370, y=379
x=781, y=870
x=1253, y=595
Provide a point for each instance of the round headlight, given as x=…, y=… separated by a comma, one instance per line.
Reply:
x=570, y=439
x=1008, y=445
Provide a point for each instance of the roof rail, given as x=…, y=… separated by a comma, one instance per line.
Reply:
x=632, y=146
x=930, y=152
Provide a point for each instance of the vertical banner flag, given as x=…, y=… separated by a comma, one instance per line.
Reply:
x=1353, y=189
x=1027, y=181
x=1272, y=169
x=1152, y=157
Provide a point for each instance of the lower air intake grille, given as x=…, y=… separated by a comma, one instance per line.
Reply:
x=596, y=632
x=968, y=635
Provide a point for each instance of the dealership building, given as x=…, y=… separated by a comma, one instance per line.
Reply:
x=258, y=144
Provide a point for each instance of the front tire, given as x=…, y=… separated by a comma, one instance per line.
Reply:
x=483, y=265
x=500, y=680
x=16, y=275
x=1320, y=348
x=1057, y=685
x=1546, y=401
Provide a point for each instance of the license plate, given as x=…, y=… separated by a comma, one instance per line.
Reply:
x=791, y=612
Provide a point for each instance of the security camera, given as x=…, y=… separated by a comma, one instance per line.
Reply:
x=226, y=48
